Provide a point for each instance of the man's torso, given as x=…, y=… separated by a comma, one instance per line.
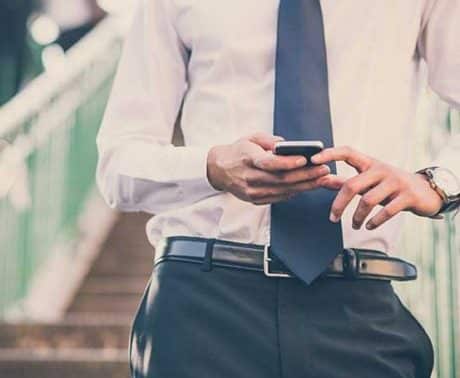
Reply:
x=374, y=85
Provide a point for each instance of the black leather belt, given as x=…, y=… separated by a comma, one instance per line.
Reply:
x=352, y=263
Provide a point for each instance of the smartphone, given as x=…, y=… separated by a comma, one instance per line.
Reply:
x=306, y=148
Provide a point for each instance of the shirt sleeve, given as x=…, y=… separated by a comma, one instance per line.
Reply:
x=439, y=45
x=138, y=167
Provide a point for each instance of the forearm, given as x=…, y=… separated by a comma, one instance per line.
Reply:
x=139, y=176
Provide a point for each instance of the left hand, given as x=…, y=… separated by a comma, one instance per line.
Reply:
x=378, y=184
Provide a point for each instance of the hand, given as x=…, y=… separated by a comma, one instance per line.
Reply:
x=249, y=170
x=378, y=184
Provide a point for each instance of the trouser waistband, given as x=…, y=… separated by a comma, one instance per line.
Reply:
x=351, y=263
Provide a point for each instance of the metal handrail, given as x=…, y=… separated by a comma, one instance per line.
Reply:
x=51, y=127
x=48, y=86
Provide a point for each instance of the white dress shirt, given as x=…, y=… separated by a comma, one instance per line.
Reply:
x=218, y=59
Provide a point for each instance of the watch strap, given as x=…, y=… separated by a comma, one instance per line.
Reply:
x=448, y=205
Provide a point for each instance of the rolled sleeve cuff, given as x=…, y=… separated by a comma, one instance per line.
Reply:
x=180, y=171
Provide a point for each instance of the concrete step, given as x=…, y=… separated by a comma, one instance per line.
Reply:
x=65, y=335
x=108, y=285
x=95, y=318
x=92, y=340
x=66, y=363
x=128, y=235
x=122, y=268
x=117, y=304
x=137, y=250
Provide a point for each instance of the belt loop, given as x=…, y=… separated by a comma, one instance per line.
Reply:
x=350, y=263
x=207, y=261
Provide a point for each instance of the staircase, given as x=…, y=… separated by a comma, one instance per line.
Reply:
x=92, y=340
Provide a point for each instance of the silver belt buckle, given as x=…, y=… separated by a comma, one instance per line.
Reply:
x=267, y=260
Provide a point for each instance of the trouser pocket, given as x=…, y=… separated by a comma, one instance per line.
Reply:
x=424, y=343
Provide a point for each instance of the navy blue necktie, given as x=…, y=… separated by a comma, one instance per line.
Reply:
x=301, y=234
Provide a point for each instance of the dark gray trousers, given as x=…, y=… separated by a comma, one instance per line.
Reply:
x=239, y=324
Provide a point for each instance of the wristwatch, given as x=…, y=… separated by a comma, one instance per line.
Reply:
x=447, y=185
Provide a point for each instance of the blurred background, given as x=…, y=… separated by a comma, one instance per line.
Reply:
x=71, y=270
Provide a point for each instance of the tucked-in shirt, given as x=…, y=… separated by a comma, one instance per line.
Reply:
x=216, y=61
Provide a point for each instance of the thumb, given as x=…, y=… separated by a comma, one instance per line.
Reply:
x=258, y=155
x=265, y=140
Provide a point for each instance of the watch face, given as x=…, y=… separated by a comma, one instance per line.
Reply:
x=446, y=181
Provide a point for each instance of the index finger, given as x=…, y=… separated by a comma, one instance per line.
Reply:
x=280, y=163
x=350, y=156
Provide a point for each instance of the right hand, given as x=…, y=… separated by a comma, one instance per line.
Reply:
x=250, y=171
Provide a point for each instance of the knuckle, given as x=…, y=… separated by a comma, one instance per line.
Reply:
x=409, y=197
x=233, y=187
x=252, y=179
x=396, y=180
x=250, y=137
x=406, y=183
x=376, y=169
x=251, y=193
x=245, y=159
x=390, y=181
x=350, y=187
x=374, y=163
x=348, y=150
x=260, y=134
x=313, y=184
x=265, y=193
x=242, y=147
x=245, y=179
x=367, y=201
x=280, y=193
x=280, y=177
x=387, y=213
x=400, y=180
x=313, y=173
x=367, y=166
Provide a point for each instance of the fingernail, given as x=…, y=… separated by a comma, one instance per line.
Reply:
x=355, y=226
x=301, y=161
x=370, y=226
x=278, y=137
x=333, y=218
x=325, y=170
x=315, y=158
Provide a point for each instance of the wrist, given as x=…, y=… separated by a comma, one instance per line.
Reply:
x=435, y=198
x=447, y=185
x=212, y=169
